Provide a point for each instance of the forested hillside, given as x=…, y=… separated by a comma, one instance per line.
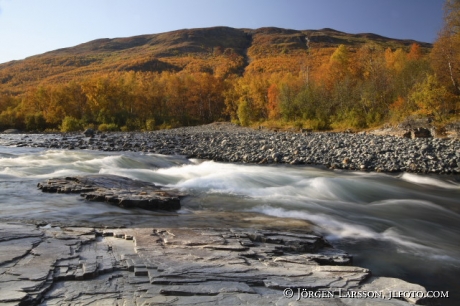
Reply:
x=320, y=79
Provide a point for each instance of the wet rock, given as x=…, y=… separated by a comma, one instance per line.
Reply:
x=116, y=190
x=89, y=133
x=176, y=266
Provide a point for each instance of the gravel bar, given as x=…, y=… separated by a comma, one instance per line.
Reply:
x=227, y=142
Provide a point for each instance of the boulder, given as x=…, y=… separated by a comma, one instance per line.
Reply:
x=11, y=131
x=116, y=190
x=420, y=133
x=89, y=133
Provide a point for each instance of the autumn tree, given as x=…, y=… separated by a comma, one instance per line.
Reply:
x=273, y=108
x=374, y=86
x=415, y=52
x=396, y=60
x=339, y=63
x=8, y=106
x=231, y=96
x=251, y=89
x=107, y=99
x=445, y=56
x=432, y=98
x=244, y=112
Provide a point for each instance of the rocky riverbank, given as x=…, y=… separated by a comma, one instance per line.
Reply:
x=230, y=143
x=183, y=266
x=199, y=258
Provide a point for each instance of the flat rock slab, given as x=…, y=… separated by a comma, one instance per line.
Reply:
x=116, y=190
x=179, y=266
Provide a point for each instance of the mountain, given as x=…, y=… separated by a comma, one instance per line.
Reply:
x=217, y=50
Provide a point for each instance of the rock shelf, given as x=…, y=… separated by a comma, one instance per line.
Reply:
x=116, y=190
x=177, y=266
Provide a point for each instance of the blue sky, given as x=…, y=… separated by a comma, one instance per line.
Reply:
x=29, y=27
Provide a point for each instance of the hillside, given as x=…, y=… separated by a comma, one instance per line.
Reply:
x=315, y=79
x=218, y=50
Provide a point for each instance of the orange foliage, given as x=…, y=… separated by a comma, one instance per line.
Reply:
x=198, y=76
x=273, y=102
x=398, y=104
x=415, y=52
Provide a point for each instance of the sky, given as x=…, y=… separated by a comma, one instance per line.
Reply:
x=30, y=27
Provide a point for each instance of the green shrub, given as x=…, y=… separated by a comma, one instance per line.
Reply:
x=71, y=124
x=132, y=125
x=243, y=113
x=110, y=127
x=321, y=124
x=298, y=124
x=150, y=124
x=88, y=125
x=35, y=122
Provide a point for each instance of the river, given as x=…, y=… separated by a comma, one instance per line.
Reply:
x=404, y=225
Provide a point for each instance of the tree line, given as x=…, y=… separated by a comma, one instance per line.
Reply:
x=354, y=88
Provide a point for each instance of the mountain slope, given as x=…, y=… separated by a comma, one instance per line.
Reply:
x=217, y=50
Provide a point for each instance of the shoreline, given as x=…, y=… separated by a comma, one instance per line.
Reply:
x=171, y=142
x=226, y=142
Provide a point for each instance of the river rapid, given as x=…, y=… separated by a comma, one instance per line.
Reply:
x=404, y=225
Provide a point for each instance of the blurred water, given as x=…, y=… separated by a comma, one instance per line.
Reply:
x=405, y=226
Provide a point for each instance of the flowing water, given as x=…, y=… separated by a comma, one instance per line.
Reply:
x=405, y=225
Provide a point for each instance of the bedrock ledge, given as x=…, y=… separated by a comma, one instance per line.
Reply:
x=179, y=266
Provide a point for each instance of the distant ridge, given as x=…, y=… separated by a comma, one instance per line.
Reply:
x=218, y=50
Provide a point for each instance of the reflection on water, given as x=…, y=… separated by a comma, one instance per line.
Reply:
x=393, y=224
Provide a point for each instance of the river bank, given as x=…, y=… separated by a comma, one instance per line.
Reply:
x=51, y=265
x=230, y=143
x=402, y=226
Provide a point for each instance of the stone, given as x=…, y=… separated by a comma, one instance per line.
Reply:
x=117, y=190
x=11, y=131
x=390, y=285
x=420, y=133
x=376, y=150
x=89, y=133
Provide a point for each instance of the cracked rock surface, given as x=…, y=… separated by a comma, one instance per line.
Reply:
x=176, y=266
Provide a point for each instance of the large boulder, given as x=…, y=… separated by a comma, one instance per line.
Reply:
x=116, y=190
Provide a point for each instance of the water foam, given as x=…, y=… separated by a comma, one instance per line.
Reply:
x=424, y=180
x=274, y=183
x=344, y=205
x=336, y=229
x=39, y=164
x=411, y=206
